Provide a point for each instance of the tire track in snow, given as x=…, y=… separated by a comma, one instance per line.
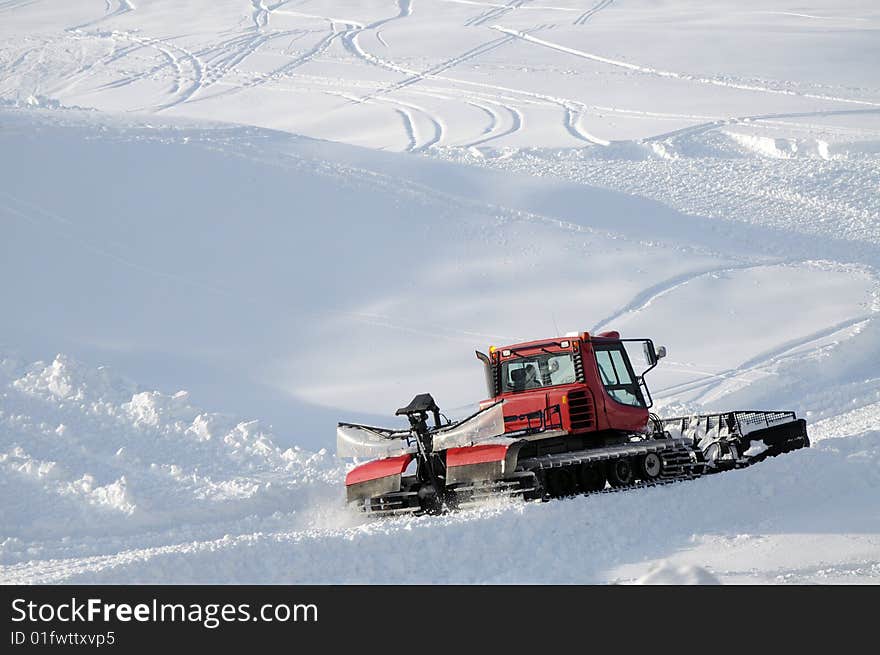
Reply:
x=674, y=75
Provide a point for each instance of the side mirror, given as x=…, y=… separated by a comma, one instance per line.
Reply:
x=661, y=352
x=650, y=355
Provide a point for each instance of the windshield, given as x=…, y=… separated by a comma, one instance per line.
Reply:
x=535, y=371
x=617, y=374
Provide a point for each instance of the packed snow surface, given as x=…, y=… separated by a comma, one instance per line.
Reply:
x=226, y=225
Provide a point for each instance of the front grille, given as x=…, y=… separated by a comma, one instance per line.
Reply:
x=580, y=410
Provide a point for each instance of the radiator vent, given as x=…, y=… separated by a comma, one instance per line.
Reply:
x=580, y=410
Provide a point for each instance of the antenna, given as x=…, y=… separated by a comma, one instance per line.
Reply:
x=555, y=327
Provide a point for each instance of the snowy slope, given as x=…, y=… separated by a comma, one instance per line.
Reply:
x=200, y=500
x=414, y=74
x=703, y=176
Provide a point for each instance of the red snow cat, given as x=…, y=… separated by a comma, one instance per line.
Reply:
x=565, y=416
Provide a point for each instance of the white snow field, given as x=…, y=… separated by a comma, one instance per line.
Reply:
x=226, y=224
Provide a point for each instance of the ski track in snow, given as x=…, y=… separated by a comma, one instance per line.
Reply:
x=407, y=111
x=495, y=130
x=11, y=5
x=494, y=12
x=710, y=394
x=122, y=7
x=444, y=65
x=150, y=488
x=409, y=126
x=670, y=74
x=174, y=55
x=218, y=60
x=572, y=109
x=644, y=298
x=226, y=58
x=708, y=387
x=592, y=11
x=702, y=128
x=319, y=49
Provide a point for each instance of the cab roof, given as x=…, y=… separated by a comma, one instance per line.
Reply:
x=583, y=336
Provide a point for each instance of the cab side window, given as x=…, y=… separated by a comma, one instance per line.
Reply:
x=617, y=378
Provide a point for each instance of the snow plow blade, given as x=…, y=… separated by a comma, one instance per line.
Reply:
x=742, y=438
